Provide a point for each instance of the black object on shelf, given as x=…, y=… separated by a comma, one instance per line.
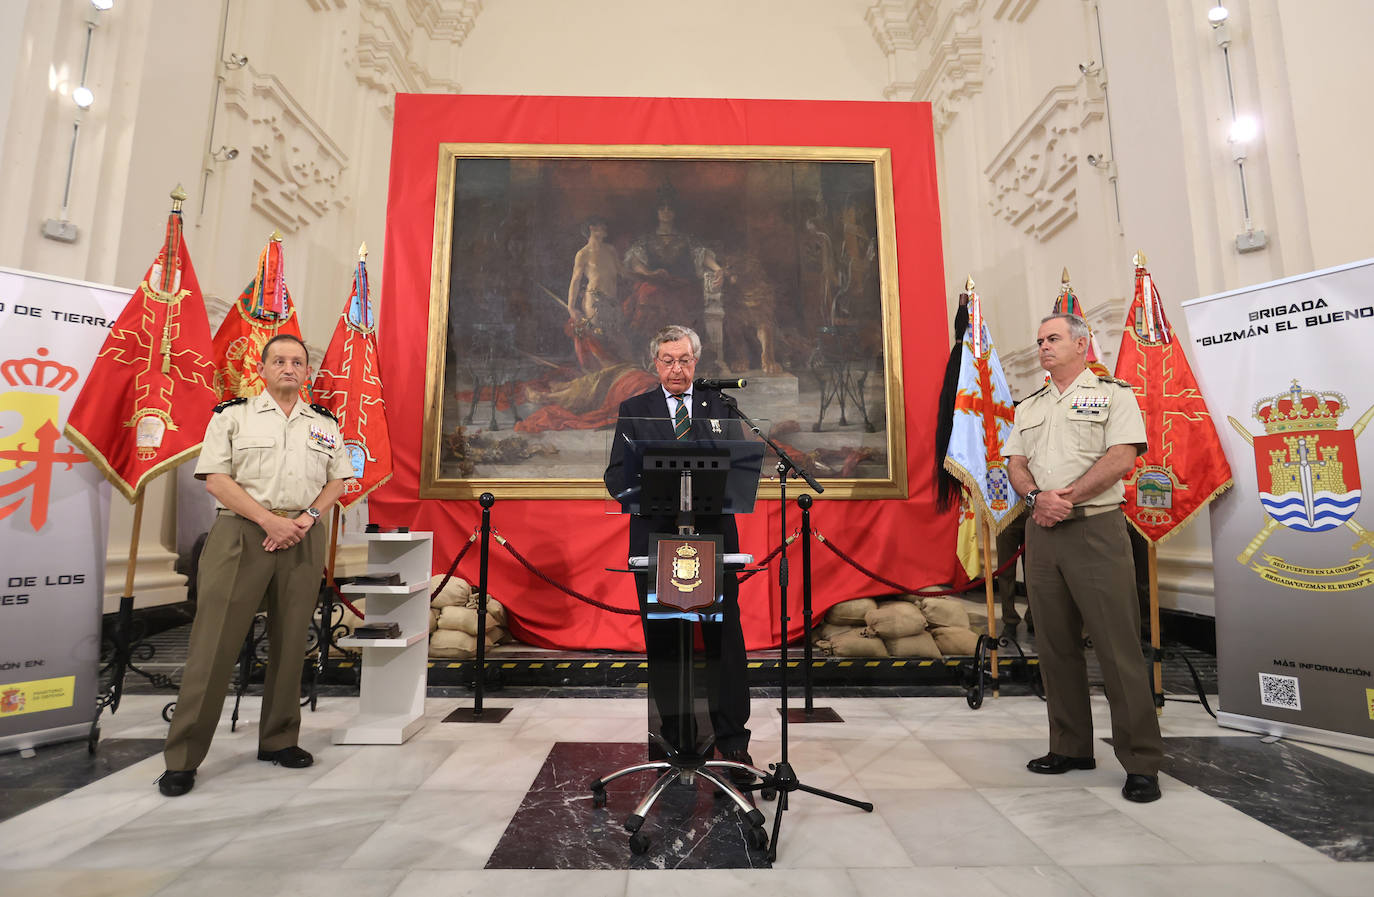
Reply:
x=378, y=630
x=376, y=579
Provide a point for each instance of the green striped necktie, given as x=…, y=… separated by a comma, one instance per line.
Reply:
x=682, y=423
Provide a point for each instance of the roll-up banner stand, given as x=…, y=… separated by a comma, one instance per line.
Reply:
x=1287, y=369
x=54, y=509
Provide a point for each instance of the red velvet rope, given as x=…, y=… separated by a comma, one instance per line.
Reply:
x=975, y=584
x=587, y=599
x=454, y=566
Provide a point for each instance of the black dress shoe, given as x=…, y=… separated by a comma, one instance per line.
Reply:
x=1053, y=764
x=739, y=776
x=291, y=757
x=176, y=782
x=1140, y=788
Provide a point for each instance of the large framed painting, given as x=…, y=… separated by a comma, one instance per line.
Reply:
x=553, y=266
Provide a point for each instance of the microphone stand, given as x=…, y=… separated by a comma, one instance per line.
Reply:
x=784, y=779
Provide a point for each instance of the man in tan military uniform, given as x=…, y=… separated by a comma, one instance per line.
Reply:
x=1073, y=442
x=274, y=465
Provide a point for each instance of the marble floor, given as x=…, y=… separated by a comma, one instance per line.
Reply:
x=497, y=810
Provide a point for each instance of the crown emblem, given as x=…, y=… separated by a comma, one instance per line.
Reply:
x=41, y=372
x=1300, y=409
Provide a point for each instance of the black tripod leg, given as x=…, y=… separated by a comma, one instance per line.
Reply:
x=830, y=795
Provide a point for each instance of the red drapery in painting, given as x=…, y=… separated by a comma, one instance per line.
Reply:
x=573, y=541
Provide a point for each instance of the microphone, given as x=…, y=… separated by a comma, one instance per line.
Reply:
x=707, y=383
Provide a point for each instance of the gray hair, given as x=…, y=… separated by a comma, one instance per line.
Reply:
x=1078, y=328
x=671, y=334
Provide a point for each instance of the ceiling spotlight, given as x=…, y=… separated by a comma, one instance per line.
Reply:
x=1090, y=67
x=1218, y=15
x=83, y=97
x=1243, y=130
x=235, y=61
x=1096, y=160
x=225, y=153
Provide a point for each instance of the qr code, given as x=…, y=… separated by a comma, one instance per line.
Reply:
x=1279, y=691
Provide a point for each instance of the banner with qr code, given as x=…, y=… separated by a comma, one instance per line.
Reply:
x=54, y=508
x=1288, y=374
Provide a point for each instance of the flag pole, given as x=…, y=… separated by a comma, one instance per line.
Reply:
x=989, y=560
x=1154, y=626
x=126, y=610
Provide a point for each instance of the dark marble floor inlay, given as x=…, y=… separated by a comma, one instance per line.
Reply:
x=556, y=826
x=1321, y=802
x=54, y=770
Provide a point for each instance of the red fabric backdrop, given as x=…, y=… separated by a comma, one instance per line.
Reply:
x=573, y=541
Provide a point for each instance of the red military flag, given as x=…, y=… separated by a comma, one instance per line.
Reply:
x=148, y=398
x=262, y=311
x=1184, y=467
x=349, y=384
x=1066, y=303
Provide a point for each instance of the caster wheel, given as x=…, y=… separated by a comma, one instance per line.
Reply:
x=599, y=798
x=757, y=838
x=768, y=793
x=639, y=843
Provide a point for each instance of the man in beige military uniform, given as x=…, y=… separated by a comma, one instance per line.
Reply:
x=1073, y=442
x=274, y=465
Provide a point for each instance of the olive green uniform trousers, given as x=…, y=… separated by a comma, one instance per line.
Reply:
x=237, y=576
x=1080, y=576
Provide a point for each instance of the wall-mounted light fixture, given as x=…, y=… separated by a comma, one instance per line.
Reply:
x=1243, y=131
x=225, y=154
x=60, y=228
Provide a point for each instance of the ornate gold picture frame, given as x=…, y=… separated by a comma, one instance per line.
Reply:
x=554, y=263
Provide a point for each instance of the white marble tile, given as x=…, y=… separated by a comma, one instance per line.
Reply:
x=206, y=882
x=487, y=765
x=515, y=883
x=439, y=830
x=995, y=719
x=47, y=833
x=1001, y=763
x=814, y=763
x=572, y=708
x=180, y=831
x=384, y=767
x=318, y=829
x=1209, y=830
x=818, y=833
x=597, y=728
x=741, y=883
x=906, y=763
x=1152, y=880
x=1184, y=719
x=1075, y=827
x=86, y=882
x=954, y=828
x=1334, y=879
x=967, y=881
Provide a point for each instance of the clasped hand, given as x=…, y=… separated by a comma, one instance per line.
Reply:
x=284, y=533
x=1052, y=506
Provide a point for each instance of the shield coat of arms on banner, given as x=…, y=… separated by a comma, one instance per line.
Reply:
x=1308, y=475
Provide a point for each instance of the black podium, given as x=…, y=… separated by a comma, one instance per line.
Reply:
x=681, y=581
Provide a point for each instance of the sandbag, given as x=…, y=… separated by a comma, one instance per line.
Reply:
x=433, y=620
x=894, y=619
x=851, y=612
x=829, y=630
x=958, y=642
x=944, y=612
x=920, y=645
x=457, y=592
x=463, y=619
x=853, y=644
x=452, y=643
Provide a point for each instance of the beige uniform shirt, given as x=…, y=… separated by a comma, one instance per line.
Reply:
x=281, y=462
x=1063, y=434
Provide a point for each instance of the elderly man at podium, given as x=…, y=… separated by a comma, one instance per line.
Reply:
x=666, y=412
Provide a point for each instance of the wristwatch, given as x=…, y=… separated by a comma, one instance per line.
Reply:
x=313, y=512
x=1030, y=499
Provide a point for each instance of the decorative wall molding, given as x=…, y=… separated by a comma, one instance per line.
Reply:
x=1014, y=10
x=933, y=58
x=1022, y=366
x=412, y=46
x=296, y=165
x=1034, y=176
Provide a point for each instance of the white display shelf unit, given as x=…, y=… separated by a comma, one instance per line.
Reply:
x=392, y=695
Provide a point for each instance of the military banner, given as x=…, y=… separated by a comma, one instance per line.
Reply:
x=54, y=505
x=1287, y=372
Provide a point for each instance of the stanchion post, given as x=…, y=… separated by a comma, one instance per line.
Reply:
x=477, y=713
x=809, y=713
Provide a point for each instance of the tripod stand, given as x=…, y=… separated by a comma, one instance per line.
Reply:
x=783, y=778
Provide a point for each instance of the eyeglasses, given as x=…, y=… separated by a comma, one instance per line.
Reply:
x=684, y=362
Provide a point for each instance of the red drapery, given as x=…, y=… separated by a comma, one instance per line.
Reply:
x=573, y=541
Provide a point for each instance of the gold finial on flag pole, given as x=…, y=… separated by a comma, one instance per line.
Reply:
x=1139, y=258
x=968, y=284
x=1064, y=278
x=276, y=236
x=362, y=252
x=178, y=197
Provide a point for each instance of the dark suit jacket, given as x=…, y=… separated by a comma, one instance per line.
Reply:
x=706, y=405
